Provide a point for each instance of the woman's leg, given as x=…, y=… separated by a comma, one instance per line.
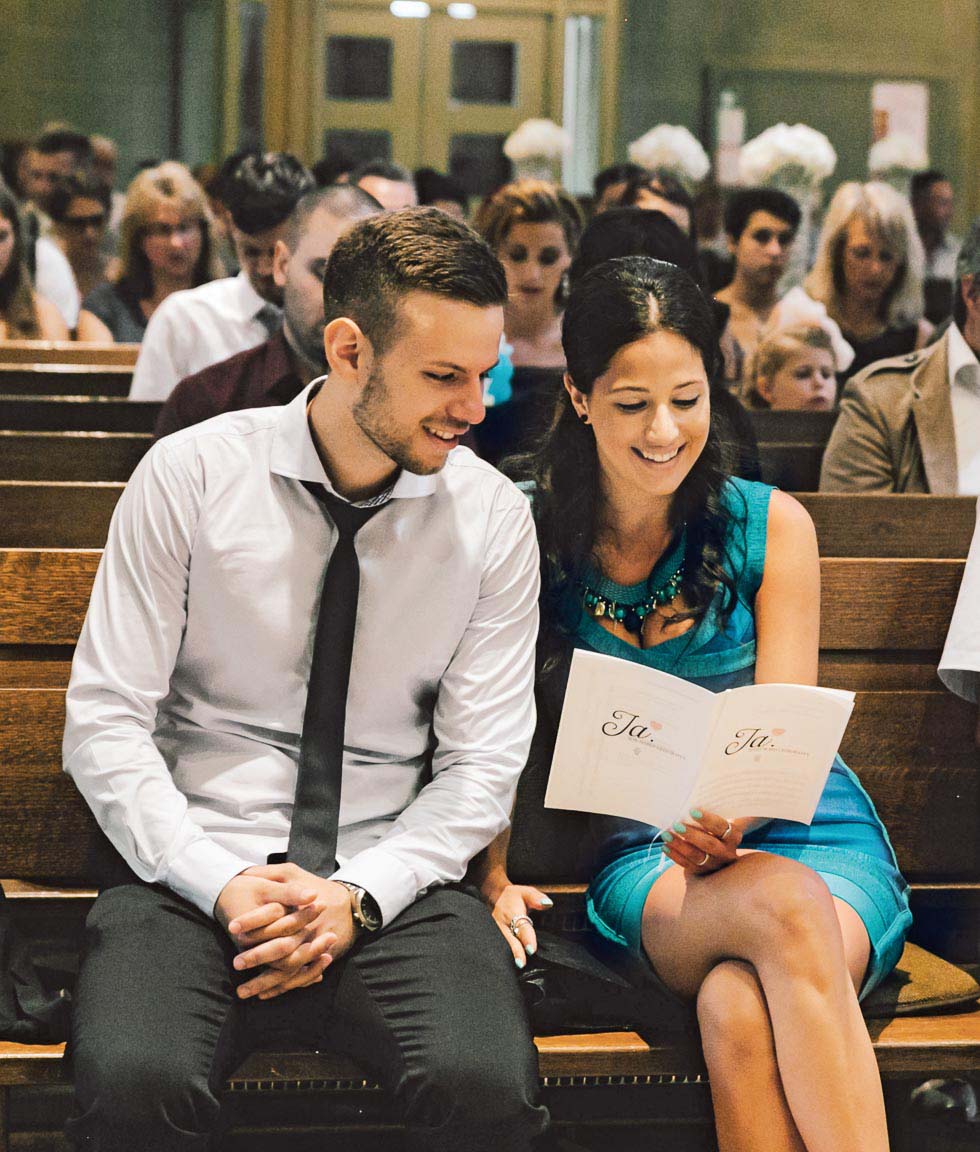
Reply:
x=807, y=951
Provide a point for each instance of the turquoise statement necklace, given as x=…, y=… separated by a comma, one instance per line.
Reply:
x=631, y=614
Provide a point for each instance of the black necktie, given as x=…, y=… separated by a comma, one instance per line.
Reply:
x=313, y=831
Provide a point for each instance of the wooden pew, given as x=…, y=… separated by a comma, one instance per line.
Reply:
x=65, y=379
x=77, y=414
x=89, y=456
x=909, y=741
x=791, y=447
x=67, y=352
x=892, y=524
x=58, y=514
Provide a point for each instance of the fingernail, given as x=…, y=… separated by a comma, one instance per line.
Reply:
x=547, y=902
x=239, y=963
x=519, y=961
x=667, y=838
x=679, y=827
x=530, y=949
x=696, y=813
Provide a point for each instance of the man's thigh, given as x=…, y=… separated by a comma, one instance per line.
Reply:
x=432, y=1003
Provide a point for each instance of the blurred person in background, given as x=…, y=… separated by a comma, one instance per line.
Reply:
x=660, y=191
x=167, y=243
x=533, y=228
x=105, y=161
x=932, y=205
x=200, y=326
x=390, y=184
x=795, y=370
x=868, y=272
x=79, y=209
x=24, y=315
x=609, y=184
x=442, y=192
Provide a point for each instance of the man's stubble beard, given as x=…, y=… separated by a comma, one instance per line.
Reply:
x=369, y=415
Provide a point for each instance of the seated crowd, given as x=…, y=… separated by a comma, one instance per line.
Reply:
x=326, y=636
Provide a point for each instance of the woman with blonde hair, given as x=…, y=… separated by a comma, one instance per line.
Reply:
x=24, y=315
x=868, y=272
x=533, y=227
x=167, y=243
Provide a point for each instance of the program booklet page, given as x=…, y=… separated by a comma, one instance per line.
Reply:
x=642, y=744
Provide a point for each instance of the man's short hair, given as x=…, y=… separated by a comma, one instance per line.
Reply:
x=742, y=203
x=80, y=186
x=432, y=186
x=263, y=190
x=344, y=201
x=384, y=170
x=614, y=174
x=921, y=182
x=384, y=258
x=967, y=264
x=66, y=140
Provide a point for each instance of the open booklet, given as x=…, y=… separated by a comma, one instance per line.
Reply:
x=640, y=743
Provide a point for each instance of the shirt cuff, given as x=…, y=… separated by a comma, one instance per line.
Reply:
x=384, y=877
x=201, y=871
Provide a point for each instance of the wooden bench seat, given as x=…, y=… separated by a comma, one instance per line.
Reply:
x=909, y=741
x=65, y=379
x=791, y=447
x=77, y=456
x=68, y=352
x=77, y=414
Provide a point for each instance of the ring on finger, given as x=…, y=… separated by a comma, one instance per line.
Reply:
x=725, y=834
x=701, y=863
x=516, y=923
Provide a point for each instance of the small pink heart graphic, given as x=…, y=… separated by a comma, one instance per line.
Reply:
x=778, y=731
x=655, y=725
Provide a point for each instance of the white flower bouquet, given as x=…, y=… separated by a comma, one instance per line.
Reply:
x=788, y=156
x=537, y=139
x=896, y=151
x=674, y=148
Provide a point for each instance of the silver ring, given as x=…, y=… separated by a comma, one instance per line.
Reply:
x=701, y=863
x=724, y=835
x=516, y=922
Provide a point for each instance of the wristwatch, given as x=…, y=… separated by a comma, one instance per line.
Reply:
x=363, y=906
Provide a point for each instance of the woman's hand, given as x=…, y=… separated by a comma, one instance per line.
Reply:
x=511, y=911
x=704, y=842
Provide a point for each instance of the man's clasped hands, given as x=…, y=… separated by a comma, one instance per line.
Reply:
x=288, y=924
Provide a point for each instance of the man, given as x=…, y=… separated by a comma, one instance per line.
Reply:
x=217, y=695
x=912, y=423
x=932, y=205
x=54, y=156
x=390, y=184
x=610, y=183
x=200, y=326
x=274, y=372
x=761, y=225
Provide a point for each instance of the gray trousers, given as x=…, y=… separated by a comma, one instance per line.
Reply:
x=429, y=1005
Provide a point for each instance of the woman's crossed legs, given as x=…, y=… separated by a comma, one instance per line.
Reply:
x=773, y=961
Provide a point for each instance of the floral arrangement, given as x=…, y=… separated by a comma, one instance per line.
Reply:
x=674, y=148
x=537, y=139
x=788, y=156
x=896, y=151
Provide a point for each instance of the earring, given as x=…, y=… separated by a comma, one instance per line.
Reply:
x=584, y=417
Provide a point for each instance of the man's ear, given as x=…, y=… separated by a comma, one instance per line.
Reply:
x=280, y=262
x=345, y=347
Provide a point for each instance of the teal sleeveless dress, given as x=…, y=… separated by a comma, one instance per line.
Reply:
x=846, y=844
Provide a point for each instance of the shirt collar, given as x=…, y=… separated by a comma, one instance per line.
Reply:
x=250, y=301
x=294, y=453
x=961, y=356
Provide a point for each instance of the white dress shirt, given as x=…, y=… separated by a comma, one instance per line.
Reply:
x=959, y=666
x=55, y=281
x=964, y=396
x=188, y=687
x=195, y=328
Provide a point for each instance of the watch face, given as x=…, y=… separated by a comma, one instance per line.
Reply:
x=370, y=912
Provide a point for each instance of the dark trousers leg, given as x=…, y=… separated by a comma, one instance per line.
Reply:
x=431, y=1005
x=151, y=1010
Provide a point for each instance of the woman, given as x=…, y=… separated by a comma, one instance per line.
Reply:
x=166, y=244
x=772, y=929
x=794, y=369
x=868, y=272
x=24, y=315
x=533, y=227
x=80, y=213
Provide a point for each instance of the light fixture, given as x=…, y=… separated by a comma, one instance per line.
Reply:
x=409, y=9
x=462, y=11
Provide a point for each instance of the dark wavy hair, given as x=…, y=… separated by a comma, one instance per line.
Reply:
x=609, y=308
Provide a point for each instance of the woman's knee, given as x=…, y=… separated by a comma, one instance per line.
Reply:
x=732, y=1014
